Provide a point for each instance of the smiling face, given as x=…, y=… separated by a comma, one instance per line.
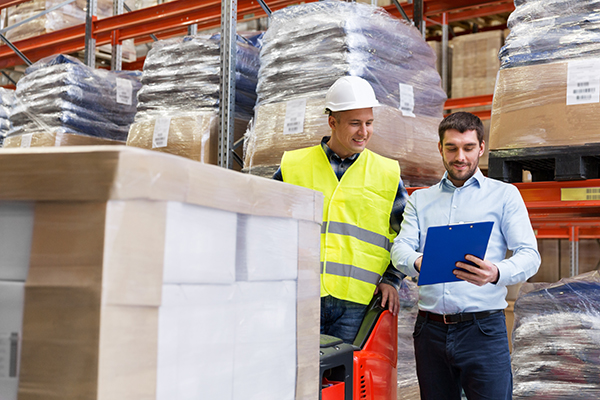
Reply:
x=350, y=131
x=460, y=153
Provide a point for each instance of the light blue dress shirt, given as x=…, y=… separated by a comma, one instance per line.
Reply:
x=479, y=199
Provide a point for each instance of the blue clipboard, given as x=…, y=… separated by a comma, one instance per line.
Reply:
x=448, y=244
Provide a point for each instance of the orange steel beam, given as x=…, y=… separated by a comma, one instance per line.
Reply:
x=10, y=3
x=473, y=101
x=483, y=115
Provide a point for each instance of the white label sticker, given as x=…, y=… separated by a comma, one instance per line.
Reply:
x=161, y=132
x=124, y=91
x=9, y=347
x=407, y=100
x=26, y=140
x=294, y=116
x=583, y=81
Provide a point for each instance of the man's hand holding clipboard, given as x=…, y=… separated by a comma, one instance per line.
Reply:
x=456, y=252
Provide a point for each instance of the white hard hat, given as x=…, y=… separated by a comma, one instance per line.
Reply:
x=350, y=93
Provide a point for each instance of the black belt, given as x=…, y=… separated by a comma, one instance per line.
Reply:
x=456, y=318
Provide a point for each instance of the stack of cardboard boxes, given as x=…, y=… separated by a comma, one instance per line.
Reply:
x=155, y=277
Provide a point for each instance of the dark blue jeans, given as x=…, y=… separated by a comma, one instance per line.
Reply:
x=341, y=318
x=471, y=355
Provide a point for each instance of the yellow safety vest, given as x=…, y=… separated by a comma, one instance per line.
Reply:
x=356, y=236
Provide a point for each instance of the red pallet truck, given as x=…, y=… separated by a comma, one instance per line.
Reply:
x=366, y=369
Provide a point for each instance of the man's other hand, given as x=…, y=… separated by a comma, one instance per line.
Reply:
x=389, y=297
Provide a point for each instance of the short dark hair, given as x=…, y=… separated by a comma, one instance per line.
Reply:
x=461, y=121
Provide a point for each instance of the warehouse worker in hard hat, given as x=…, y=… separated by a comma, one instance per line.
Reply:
x=364, y=201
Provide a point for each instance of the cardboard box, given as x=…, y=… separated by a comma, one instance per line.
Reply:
x=192, y=135
x=12, y=295
x=411, y=141
x=110, y=225
x=475, y=63
x=16, y=230
x=51, y=139
x=530, y=110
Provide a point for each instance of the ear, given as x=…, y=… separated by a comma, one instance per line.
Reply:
x=440, y=148
x=331, y=120
x=482, y=148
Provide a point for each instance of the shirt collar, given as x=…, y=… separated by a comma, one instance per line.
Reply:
x=331, y=154
x=477, y=177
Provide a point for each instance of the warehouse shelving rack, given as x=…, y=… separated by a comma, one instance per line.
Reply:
x=175, y=19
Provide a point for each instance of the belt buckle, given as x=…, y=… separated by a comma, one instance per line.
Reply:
x=448, y=322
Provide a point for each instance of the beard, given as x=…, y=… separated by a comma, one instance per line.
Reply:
x=462, y=176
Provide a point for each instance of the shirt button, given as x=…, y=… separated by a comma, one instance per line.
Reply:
x=453, y=206
x=447, y=292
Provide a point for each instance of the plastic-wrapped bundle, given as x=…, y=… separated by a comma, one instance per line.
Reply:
x=549, y=30
x=183, y=75
x=7, y=99
x=408, y=385
x=61, y=94
x=556, y=340
x=308, y=47
x=69, y=15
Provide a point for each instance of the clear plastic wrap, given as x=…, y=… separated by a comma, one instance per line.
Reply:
x=530, y=109
x=64, y=17
x=556, y=339
x=543, y=31
x=408, y=384
x=308, y=47
x=411, y=141
x=61, y=93
x=183, y=74
x=7, y=100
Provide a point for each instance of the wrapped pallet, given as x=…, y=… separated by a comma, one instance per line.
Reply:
x=178, y=103
x=149, y=276
x=7, y=100
x=68, y=15
x=556, y=339
x=308, y=47
x=547, y=97
x=558, y=40
x=60, y=95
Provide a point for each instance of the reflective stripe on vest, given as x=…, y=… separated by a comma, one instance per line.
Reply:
x=355, y=235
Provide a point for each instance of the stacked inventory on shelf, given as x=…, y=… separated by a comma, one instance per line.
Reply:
x=7, y=101
x=546, y=103
x=63, y=17
x=179, y=99
x=556, y=339
x=61, y=101
x=164, y=279
x=308, y=47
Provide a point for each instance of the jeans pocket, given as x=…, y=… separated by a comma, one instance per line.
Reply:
x=494, y=325
x=419, y=324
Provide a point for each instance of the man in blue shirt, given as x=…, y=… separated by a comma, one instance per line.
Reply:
x=460, y=334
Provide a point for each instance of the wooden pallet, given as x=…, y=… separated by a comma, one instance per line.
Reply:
x=556, y=163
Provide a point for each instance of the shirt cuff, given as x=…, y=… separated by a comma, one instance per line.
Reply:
x=412, y=271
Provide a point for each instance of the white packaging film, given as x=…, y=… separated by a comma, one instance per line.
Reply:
x=11, y=321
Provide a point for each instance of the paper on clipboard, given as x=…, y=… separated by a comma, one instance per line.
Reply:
x=446, y=245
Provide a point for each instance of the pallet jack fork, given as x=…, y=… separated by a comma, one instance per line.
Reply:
x=366, y=369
